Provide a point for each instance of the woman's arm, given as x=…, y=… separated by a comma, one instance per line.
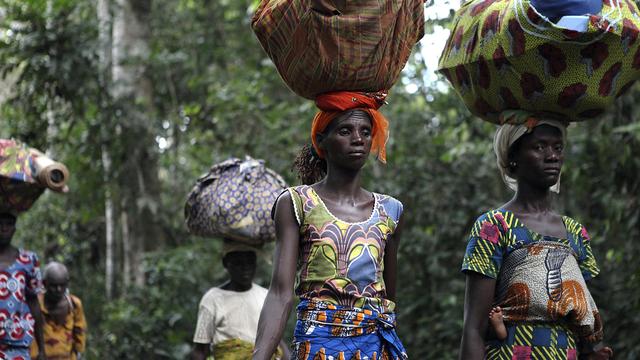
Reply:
x=277, y=305
x=34, y=307
x=478, y=300
x=390, y=272
x=286, y=354
x=200, y=351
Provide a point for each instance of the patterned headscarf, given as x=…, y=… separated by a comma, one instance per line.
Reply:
x=507, y=135
x=333, y=104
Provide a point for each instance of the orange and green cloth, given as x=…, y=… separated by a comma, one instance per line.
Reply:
x=63, y=341
x=320, y=46
x=332, y=104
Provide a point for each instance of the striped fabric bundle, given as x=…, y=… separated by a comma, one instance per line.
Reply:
x=320, y=46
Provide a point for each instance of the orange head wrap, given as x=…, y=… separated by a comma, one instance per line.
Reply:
x=333, y=104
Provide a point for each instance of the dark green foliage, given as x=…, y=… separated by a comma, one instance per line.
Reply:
x=216, y=95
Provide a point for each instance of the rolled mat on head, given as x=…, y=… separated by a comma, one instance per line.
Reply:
x=51, y=174
x=505, y=55
x=234, y=200
x=320, y=46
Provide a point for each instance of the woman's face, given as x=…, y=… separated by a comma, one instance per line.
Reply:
x=241, y=266
x=347, y=140
x=539, y=156
x=56, y=284
x=7, y=229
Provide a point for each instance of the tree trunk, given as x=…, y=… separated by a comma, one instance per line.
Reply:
x=104, y=27
x=132, y=91
x=109, y=224
x=126, y=248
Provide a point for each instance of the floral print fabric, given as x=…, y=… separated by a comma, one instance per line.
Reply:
x=535, y=276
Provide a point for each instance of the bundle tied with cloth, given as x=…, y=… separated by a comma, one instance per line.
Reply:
x=234, y=200
x=542, y=282
x=567, y=60
x=25, y=173
x=321, y=46
x=522, y=64
x=343, y=54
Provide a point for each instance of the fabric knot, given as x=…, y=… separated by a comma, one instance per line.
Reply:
x=332, y=104
x=387, y=321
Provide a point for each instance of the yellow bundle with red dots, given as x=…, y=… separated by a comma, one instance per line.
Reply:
x=504, y=55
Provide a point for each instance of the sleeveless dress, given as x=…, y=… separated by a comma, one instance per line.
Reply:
x=548, y=310
x=344, y=312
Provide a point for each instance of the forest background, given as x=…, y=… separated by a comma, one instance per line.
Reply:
x=139, y=97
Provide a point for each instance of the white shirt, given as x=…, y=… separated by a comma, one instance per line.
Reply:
x=225, y=314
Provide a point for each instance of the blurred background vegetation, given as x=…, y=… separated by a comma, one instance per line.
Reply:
x=140, y=97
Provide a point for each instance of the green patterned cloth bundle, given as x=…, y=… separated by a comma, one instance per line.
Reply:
x=504, y=55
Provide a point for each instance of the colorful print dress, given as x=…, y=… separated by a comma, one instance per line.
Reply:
x=541, y=286
x=344, y=312
x=66, y=340
x=19, y=280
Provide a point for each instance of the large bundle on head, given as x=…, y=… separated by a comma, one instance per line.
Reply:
x=234, y=200
x=24, y=175
x=505, y=55
x=320, y=46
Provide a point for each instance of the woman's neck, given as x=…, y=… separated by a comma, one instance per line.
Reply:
x=7, y=248
x=529, y=199
x=342, y=183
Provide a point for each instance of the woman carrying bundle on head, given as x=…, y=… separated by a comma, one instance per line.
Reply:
x=337, y=242
x=531, y=67
x=526, y=265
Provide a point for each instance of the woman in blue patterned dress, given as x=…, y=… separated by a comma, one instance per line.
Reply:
x=20, y=282
x=337, y=243
x=530, y=261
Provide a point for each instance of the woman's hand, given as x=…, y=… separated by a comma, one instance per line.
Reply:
x=604, y=353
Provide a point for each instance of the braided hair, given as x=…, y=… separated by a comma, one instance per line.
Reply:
x=309, y=166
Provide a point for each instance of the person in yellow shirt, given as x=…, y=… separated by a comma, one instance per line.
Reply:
x=64, y=323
